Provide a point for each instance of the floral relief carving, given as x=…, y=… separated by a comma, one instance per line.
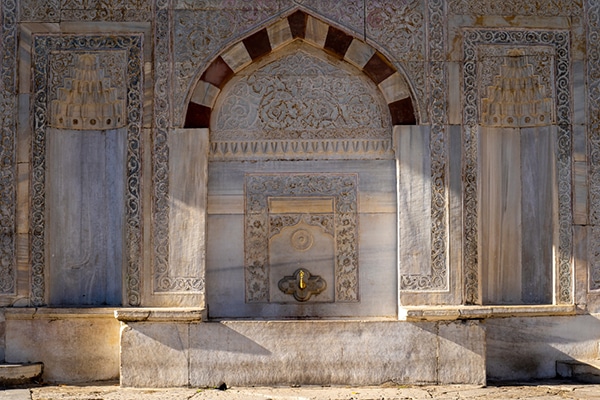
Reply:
x=592, y=13
x=546, y=8
x=85, y=10
x=437, y=278
x=8, y=162
x=260, y=226
x=505, y=41
x=351, y=15
x=301, y=97
x=200, y=33
x=398, y=26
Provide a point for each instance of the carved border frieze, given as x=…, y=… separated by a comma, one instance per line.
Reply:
x=44, y=45
x=342, y=187
x=437, y=280
x=8, y=173
x=546, y=8
x=559, y=41
x=592, y=13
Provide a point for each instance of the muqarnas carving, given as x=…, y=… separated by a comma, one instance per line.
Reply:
x=517, y=97
x=87, y=100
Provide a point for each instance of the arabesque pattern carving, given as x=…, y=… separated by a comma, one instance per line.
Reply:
x=299, y=105
x=258, y=224
x=592, y=13
x=200, y=33
x=437, y=280
x=351, y=15
x=8, y=175
x=44, y=46
x=85, y=10
x=398, y=26
x=510, y=39
x=546, y=8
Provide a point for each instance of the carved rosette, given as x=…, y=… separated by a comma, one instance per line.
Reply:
x=259, y=226
x=47, y=46
x=473, y=41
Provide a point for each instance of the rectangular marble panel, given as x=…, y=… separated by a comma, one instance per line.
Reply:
x=187, y=195
x=500, y=215
x=85, y=197
x=539, y=213
x=414, y=200
x=580, y=193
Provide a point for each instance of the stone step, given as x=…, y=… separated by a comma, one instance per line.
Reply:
x=587, y=371
x=20, y=374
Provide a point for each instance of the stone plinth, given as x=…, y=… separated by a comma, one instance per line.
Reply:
x=74, y=344
x=311, y=352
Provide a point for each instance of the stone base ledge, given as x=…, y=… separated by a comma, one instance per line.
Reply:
x=160, y=314
x=27, y=313
x=20, y=374
x=453, y=313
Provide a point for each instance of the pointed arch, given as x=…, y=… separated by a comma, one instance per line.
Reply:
x=301, y=26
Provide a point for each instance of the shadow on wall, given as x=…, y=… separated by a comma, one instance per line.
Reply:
x=528, y=348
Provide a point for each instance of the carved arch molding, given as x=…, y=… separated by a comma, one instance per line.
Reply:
x=300, y=25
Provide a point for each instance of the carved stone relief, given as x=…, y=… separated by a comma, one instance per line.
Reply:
x=437, y=279
x=8, y=175
x=83, y=10
x=474, y=67
x=263, y=223
x=351, y=15
x=592, y=13
x=548, y=8
x=87, y=90
x=47, y=47
x=298, y=105
x=517, y=86
x=199, y=33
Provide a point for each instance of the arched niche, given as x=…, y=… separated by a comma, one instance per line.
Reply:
x=300, y=118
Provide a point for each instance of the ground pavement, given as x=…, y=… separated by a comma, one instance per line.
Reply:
x=111, y=391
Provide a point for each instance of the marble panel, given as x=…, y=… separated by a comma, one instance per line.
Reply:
x=154, y=354
x=398, y=27
x=414, y=202
x=187, y=208
x=579, y=93
x=580, y=193
x=581, y=241
x=500, y=215
x=580, y=143
x=85, y=236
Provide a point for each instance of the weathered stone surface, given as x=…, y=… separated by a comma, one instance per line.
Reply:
x=526, y=348
x=75, y=345
x=154, y=354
